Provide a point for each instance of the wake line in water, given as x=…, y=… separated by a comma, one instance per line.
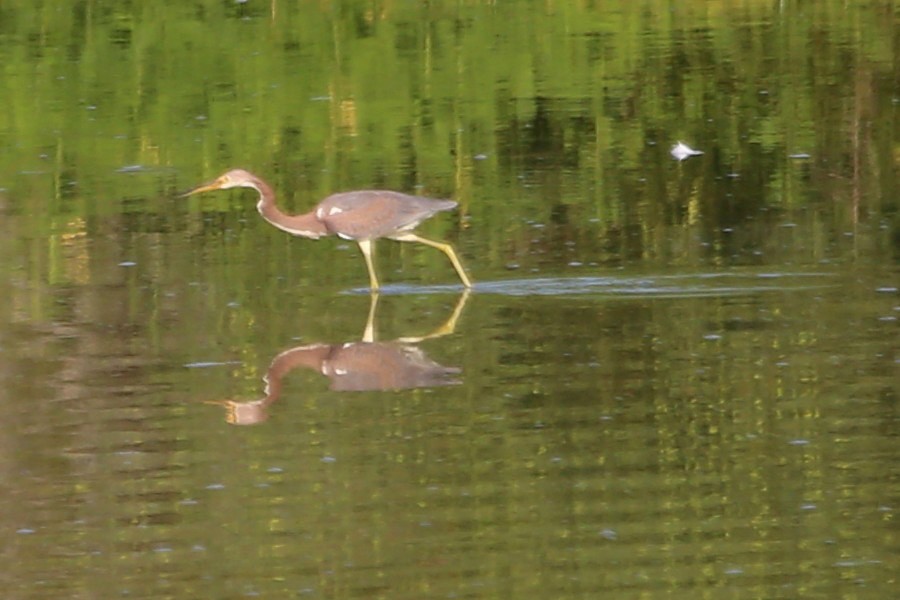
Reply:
x=662, y=286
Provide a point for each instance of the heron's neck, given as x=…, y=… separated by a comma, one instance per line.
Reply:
x=305, y=225
x=310, y=357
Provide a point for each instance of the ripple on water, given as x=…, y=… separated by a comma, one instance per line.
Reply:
x=660, y=286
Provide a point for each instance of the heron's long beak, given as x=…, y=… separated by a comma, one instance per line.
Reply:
x=251, y=412
x=206, y=187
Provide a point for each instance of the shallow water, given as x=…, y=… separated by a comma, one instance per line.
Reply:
x=670, y=377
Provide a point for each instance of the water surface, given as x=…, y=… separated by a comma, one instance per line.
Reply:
x=670, y=378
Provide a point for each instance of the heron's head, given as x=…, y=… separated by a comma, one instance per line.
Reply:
x=231, y=179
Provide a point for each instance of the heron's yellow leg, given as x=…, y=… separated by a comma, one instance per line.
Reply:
x=445, y=248
x=366, y=247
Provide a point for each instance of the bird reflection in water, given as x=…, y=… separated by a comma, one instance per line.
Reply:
x=367, y=365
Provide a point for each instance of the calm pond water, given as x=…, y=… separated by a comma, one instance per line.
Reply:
x=672, y=377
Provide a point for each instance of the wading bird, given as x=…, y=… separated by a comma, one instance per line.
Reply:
x=362, y=216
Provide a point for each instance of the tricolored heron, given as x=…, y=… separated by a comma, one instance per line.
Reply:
x=362, y=216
